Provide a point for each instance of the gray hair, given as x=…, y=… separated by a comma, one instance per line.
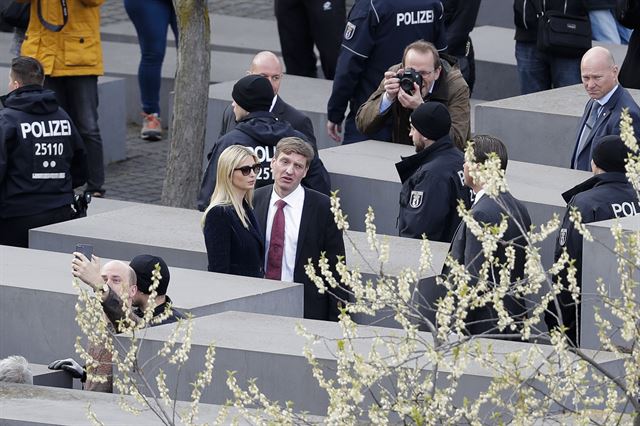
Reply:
x=15, y=369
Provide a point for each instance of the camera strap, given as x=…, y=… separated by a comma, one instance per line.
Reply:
x=52, y=27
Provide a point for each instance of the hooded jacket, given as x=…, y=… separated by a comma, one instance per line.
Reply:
x=42, y=156
x=450, y=89
x=261, y=132
x=432, y=183
x=74, y=50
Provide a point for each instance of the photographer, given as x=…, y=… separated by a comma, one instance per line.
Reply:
x=424, y=75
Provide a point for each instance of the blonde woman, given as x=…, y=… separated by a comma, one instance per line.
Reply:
x=234, y=243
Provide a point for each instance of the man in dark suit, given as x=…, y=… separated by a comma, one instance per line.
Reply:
x=466, y=249
x=268, y=65
x=298, y=226
x=602, y=114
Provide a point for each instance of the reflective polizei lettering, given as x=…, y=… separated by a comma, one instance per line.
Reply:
x=415, y=17
x=44, y=129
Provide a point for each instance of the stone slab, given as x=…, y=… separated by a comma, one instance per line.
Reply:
x=25, y=405
x=42, y=376
x=606, y=267
x=494, y=46
x=111, y=116
x=309, y=95
x=268, y=349
x=370, y=178
x=228, y=33
x=538, y=128
x=498, y=13
x=36, y=295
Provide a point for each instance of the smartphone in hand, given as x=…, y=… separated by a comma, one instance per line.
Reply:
x=86, y=249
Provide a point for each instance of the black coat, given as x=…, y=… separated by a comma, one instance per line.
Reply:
x=318, y=233
x=232, y=248
x=459, y=19
x=608, y=123
x=42, y=156
x=467, y=250
x=283, y=112
x=432, y=183
x=261, y=132
x=601, y=197
x=629, y=75
x=525, y=15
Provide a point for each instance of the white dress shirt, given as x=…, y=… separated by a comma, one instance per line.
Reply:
x=292, y=216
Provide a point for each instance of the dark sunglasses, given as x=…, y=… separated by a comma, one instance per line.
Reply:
x=247, y=169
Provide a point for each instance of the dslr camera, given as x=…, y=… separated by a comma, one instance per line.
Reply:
x=407, y=78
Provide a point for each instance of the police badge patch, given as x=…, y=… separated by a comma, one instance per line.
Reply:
x=416, y=199
x=563, y=237
x=349, y=30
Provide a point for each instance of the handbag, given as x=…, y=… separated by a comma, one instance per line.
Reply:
x=628, y=13
x=560, y=34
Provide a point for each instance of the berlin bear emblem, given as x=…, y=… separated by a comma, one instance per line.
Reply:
x=563, y=237
x=349, y=30
x=416, y=199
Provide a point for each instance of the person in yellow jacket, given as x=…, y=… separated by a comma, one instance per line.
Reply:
x=64, y=35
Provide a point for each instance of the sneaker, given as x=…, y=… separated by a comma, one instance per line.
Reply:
x=151, y=127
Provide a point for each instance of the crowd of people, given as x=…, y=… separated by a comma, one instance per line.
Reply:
x=403, y=72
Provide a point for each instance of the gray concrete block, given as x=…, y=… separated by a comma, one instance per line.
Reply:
x=42, y=376
x=37, y=300
x=600, y=262
x=369, y=178
x=309, y=95
x=228, y=33
x=498, y=13
x=111, y=116
x=268, y=349
x=496, y=70
x=25, y=405
x=538, y=128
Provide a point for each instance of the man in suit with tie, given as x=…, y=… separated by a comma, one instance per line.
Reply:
x=298, y=226
x=602, y=114
x=268, y=65
x=467, y=250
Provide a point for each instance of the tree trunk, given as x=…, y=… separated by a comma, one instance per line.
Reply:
x=190, y=105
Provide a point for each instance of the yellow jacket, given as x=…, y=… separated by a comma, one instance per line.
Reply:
x=73, y=51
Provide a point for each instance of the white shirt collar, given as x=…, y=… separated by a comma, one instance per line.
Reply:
x=273, y=103
x=295, y=199
x=603, y=100
x=479, y=195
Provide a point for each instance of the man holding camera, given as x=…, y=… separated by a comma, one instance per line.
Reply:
x=424, y=75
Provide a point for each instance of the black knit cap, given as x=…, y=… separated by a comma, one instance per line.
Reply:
x=144, y=265
x=610, y=153
x=432, y=120
x=253, y=93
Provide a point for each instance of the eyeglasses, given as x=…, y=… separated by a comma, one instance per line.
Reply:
x=247, y=169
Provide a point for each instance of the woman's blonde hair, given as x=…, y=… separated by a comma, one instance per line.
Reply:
x=223, y=192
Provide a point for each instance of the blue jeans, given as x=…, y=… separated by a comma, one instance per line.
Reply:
x=78, y=96
x=538, y=71
x=151, y=18
x=605, y=28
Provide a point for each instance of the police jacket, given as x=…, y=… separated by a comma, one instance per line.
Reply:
x=450, y=89
x=261, y=132
x=525, y=15
x=375, y=36
x=605, y=196
x=75, y=49
x=459, y=18
x=42, y=156
x=432, y=183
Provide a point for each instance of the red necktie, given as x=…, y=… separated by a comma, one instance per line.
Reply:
x=276, y=244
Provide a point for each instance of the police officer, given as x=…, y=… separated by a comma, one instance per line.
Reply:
x=42, y=156
x=374, y=38
x=432, y=179
x=606, y=195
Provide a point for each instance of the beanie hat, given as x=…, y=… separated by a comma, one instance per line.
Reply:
x=610, y=153
x=432, y=120
x=253, y=93
x=144, y=265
